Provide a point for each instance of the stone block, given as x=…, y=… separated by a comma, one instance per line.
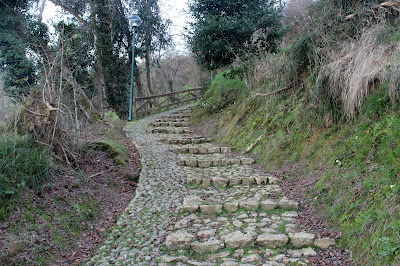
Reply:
x=190, y=204
x=273, y=180
x=208, y=246
x=288, y=204
x=194, y=180
x=261, y=180
x=250, y=205
x=238, y=240
x=250, y=258
x=206, y=182
x=191, y=162
x=248, y=180
x=247, y=161
x=231, y=206
x=272, y=240
x=235, y=161
x=206, y=233
x=226, y=149
x=219, y=255
x=212, y=150
x=181, y=163
x=324, y=243
x=225, y=162
x=194, y=150
x=203, y=150
x=220, y=181
x=233, y=181
x=216, y=162
x=204, y=163
x=170, y=259
x=302, y=239
x=308, y=252
x=211, y=209
x=184, y=150
x=179, y=240
x=268, y=205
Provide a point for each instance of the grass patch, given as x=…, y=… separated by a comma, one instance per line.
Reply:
x=22, y=164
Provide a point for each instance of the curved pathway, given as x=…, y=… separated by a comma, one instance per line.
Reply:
x=199, y=204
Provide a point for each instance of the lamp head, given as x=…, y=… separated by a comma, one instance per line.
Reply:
x=135, y=21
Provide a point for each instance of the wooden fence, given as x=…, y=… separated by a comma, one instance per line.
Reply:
x=147, y=105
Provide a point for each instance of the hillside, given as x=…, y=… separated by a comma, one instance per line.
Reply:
x=330, y=108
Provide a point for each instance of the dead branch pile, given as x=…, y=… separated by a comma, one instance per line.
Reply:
x=41, y=119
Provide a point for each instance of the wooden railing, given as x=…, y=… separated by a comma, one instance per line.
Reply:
x=151, y=104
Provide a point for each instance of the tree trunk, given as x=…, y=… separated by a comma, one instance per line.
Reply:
x=139, y=88
x=148, y=69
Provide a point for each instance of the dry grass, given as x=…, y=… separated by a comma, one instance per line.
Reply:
x=359, y=67
x=271, y=72
x=8, y=108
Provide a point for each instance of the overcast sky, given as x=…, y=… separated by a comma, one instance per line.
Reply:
x=177, y=12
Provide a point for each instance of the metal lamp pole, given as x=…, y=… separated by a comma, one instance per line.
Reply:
x=135, y=21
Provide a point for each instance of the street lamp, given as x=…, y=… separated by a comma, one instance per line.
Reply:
x=135, y=22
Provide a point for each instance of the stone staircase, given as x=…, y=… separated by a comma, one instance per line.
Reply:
x=234, y=214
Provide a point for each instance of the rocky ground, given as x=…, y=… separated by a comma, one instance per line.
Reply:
x=199, y=204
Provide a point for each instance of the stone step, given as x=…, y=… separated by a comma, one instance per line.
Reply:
x=170, y=130
x=213, y=160
x=259, y=232
x=169, y=124
x=210, y=203
x=170, y=120
x=201, y=149
x=178, y=116
x=221, y=181
x=183, y=139
x=231, y=175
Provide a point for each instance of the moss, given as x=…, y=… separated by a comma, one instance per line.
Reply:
x=117, y=151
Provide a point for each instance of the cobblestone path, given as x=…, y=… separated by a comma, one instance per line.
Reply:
x=199, y=204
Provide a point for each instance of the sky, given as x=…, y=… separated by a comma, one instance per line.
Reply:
x=177, y=12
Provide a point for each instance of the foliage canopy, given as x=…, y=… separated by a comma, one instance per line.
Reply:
x=225, y=29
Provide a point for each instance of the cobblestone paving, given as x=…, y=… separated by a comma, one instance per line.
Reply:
x=204, y=212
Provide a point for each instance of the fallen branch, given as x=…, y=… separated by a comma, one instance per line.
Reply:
x=253, y=144
x=96, y=175
x=271, y=93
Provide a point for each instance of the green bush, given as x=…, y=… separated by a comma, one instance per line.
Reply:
x=22, y=164
x=224, y=91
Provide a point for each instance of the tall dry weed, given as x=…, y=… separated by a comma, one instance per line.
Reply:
x=8, y=108
x=359, y=67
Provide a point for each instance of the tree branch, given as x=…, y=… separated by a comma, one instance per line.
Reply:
x=69, y=10
x=271, y=93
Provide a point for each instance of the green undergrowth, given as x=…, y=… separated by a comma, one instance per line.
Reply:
x=359, y=190
x=22, y=164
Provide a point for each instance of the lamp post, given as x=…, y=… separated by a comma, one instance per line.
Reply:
x=135, y=22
